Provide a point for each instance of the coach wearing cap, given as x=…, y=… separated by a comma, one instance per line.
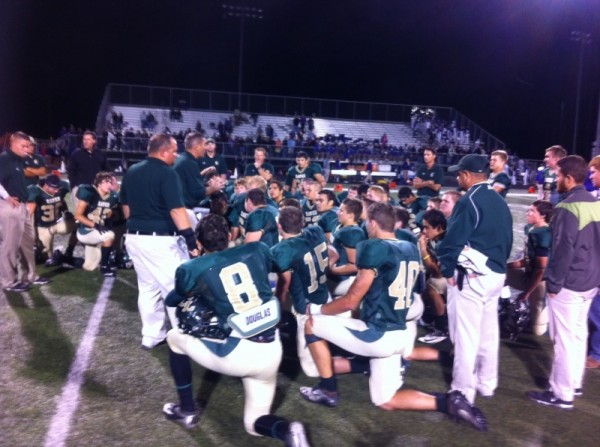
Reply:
x=480, y=233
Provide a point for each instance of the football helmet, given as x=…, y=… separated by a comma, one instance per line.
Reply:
x=514, y=317
x=196, y=318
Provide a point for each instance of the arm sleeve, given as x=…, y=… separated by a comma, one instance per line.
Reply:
x=564, y=234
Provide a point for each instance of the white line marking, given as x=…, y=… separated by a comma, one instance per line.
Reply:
x=127, y=283
x=69, y=398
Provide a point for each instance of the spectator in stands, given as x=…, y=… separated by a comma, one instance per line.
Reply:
x=498, y=178
x=84, y=164
x=15, y=221
x=211, y=161
x=260, y=166
x=429, y=176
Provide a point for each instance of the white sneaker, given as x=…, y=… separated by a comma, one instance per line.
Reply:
x=296, y=436
x=434, y=337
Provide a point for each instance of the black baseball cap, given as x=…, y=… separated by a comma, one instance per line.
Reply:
x=476, y=163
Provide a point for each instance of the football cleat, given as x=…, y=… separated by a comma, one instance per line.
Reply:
x=173, y=412
x=434, y=337
x=459, y=409
x=318, y=396
x=107, y=271
x=296, y=436
x=548, y=398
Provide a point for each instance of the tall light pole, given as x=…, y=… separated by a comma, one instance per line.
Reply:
x=583, y=39
x=242, y=13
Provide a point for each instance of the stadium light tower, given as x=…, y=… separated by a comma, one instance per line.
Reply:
x=583, y=39
x=242, y=13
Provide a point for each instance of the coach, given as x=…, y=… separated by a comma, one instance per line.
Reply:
x=152, y=201
x=480, y=228
x=572, y=278
x=84, y=163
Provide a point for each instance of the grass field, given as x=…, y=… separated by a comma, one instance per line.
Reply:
x=123, y=387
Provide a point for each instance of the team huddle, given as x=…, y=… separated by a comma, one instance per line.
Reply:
x=218, y=267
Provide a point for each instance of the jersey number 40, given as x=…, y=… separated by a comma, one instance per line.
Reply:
x=401, y=288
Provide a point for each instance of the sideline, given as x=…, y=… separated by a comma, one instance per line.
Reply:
x=60, y=425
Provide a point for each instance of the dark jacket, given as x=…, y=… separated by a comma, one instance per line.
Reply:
x=575, y=243
x=83, y=166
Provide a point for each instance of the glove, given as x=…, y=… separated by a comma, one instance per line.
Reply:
x=190, y=238
x=101, y=228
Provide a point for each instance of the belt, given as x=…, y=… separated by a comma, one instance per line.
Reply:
x=153, y=233
x=267, y=336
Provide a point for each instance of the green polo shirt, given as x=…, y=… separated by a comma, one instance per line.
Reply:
x=151, y=189
x=12, y=176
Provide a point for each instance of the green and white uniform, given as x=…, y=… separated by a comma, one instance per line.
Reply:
x=380, y=333
x=264, y=219
x=305, y=256
x=233, y=281
x=501, y=179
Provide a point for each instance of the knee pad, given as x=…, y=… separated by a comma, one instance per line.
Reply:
x=311, y=338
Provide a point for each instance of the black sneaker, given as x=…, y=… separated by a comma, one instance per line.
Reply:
x=107, y=271
x=296, y=436
x=18, y=287
x=41, y=281
x=548, y=398
x=318, y=396
x=459, y=408
x=578, y=392
x=173, y=412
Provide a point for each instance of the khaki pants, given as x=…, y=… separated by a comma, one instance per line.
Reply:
x=16, y=247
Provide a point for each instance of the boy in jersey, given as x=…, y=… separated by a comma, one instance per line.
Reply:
x=310, y=190
x=51, y=214
x=261, y=224
x=230, y=283
x=304, y=169
x=498, y=179
x=342, y=267
x=387, y=271
x=300, y=260
x=94, y=208
x=326, y=206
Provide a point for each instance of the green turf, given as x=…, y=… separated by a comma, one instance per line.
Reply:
x=126, y=387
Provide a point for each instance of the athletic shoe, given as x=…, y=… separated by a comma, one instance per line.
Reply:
x=318, y=396
x=296, y=436
x=186, y=419
x=592, y=363
x=18, y=287
x=578, y=392
x=41, y=281
x=55, y=259
x=152, y=345
x=107, y=271
x=434, y=337
x=459, y=408
x=548, y=398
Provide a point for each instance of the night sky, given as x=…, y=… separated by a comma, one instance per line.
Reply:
x=509, y=65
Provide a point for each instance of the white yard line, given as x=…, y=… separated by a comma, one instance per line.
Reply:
x=60, y=425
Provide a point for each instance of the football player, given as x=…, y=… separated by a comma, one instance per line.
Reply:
x=342, y=267
x=51, y=214
x=300, y=260
x=328, y=218
x=303, y=169
x=387, y=271
x=238, y=337
x=94, y=208
x=261, y=224
x=310, y=190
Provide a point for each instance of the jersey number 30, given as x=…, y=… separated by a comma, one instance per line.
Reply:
x=401, y=288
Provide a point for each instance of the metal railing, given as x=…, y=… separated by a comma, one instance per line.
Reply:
x=174, y=97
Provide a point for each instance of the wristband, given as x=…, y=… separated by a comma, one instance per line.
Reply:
x=425, y=258
x=190, y=238
x=315, y=309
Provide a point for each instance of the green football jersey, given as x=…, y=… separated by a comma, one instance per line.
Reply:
x=396, y=264
x=231, y=281
x=264, y=219
x=306, y=257
x=98, y=208
x=539, y=243
x=311, y=215
x=346, y=237
x=49, y=208
x=309, y=172
x=328, y=221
